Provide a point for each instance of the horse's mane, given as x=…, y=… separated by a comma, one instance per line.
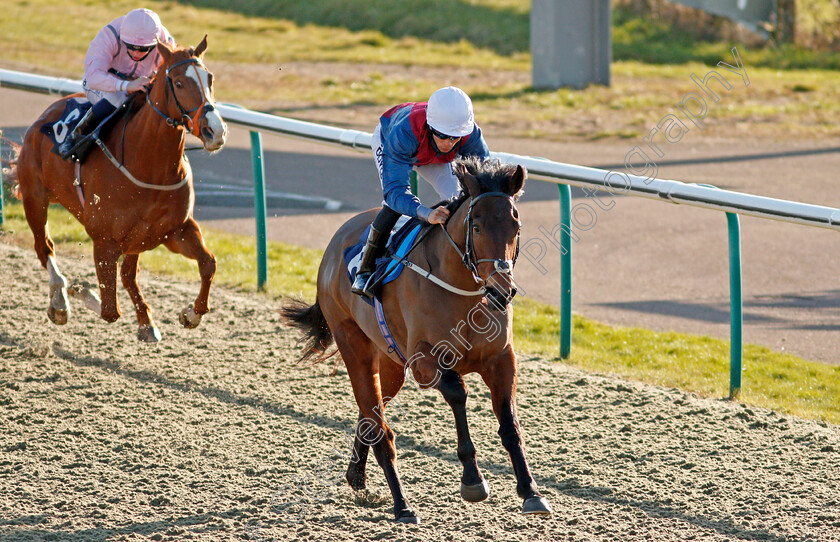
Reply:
x=492, y=175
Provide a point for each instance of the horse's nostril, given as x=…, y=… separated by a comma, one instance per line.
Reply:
x=207, y=133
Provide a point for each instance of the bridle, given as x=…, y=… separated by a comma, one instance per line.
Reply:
x=190, y=118
x=504, y=268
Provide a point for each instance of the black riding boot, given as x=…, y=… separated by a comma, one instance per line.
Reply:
x=377, y=240
x=86, y=125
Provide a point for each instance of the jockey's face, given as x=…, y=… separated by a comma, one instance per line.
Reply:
x=137, y=53
x=444, y=145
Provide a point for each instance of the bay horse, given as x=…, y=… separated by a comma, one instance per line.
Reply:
x=134, y=205
x=438, y=322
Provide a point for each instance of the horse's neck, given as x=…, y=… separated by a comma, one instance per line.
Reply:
x=150, y=131
x=444, y=260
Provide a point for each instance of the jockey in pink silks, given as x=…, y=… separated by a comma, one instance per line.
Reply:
x=120, y=60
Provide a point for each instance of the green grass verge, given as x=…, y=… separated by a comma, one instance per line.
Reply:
x=692, y=363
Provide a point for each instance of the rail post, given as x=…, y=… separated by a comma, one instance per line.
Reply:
x=736, y=313
x=259, y=209
x=736, y=303
x=565, y=270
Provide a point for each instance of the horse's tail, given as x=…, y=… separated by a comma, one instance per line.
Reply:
x=9, y=167
x=310, y=320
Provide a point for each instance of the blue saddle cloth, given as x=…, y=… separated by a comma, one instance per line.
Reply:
x=401, y=240
x=58, y=131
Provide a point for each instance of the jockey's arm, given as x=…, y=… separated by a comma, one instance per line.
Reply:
x=397, y=188
x=397, y=163
x=98, y=60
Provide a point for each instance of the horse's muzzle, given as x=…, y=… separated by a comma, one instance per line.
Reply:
x=213, y=129
x=498, y=300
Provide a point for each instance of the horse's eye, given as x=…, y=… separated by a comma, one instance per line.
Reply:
x=179, y=84
x=476, y=229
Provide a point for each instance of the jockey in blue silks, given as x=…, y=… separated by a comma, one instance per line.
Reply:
x=425, y=137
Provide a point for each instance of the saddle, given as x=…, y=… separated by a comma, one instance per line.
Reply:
x=402, y=238
x=74, y=110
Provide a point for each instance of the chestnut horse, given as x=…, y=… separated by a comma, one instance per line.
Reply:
x=137, y=204
x=451, y=318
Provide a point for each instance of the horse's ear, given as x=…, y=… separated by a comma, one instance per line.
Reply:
x=201, y=47
x=164, y=50
x=468, y=181
x=517, y=182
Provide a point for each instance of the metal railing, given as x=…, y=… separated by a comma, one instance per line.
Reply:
x=565, y=175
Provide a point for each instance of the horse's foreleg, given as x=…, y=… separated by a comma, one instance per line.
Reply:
x=147, y=330
x=500, y=377
x=474, y=486
x=105, y=255
x=188, y=242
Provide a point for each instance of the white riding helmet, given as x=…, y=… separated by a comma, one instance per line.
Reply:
x=450, y=112
x=140, y=27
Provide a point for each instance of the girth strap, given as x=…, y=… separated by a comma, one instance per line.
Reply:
x=386, y=332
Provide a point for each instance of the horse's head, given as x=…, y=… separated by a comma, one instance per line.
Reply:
x=188, y=94
x=492, y=223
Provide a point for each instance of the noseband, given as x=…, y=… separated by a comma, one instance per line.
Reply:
x=190, y=122
x=471, y=262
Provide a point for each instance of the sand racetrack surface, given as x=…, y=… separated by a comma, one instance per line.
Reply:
x=218, y=434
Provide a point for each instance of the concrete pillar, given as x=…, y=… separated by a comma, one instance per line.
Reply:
x=571, y=44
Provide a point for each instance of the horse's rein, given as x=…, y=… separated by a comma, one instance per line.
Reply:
x=467, y=258
x=190, y=124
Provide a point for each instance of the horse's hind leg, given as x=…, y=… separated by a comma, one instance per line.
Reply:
x=188, y=242
x=147, y=331
x=35, y=204
x=391, y=378
x=372, y=430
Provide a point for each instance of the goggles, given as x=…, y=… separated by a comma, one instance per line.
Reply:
x=139, y=48
x=443, y=136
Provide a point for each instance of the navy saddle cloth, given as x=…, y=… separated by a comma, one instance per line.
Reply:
x=402, y=237
x=59, y=130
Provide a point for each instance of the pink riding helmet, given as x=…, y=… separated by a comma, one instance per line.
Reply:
x=140, y=27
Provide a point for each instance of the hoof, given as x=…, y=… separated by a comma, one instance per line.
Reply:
x=408, y=516
x=189, y=319
x=357, y=483
x=536, y=506
x=475, y=493
x=57, y=317
x=59, y=309
x=148, y=334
